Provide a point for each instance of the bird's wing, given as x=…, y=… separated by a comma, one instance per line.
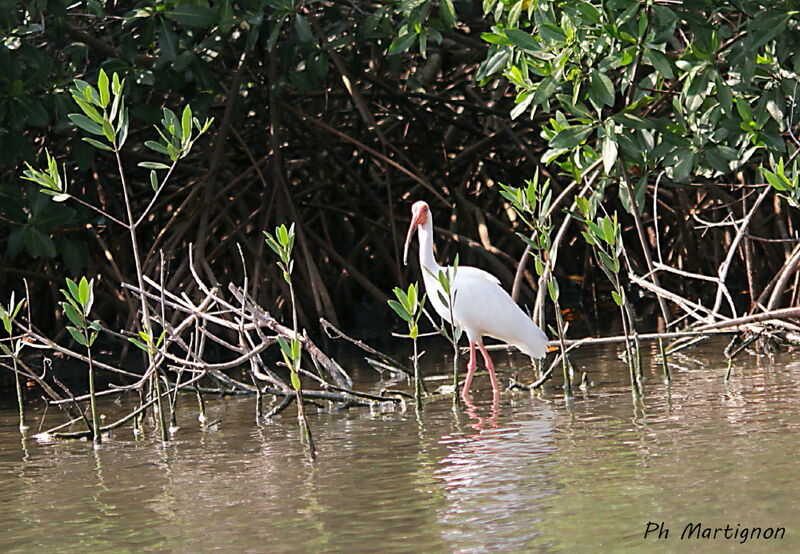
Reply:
x=469, y=272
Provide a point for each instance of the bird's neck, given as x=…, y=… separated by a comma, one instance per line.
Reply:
x=426, y=258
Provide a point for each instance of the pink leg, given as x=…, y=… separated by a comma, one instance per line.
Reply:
x=489, y=366
x=471, y=365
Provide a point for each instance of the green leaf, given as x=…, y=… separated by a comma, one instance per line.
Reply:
x=116, y=84
x=15, y=309
x=226, y=16
x=773, y=180
x=618, y=300
x=98, y=144
x=86, y=124
x=157, y=146
x=494, y=63
x=89, y=298
x=140, y=345
x=72, y=314
x=102, y=87
x=684, y=164
x=444, y=281
x=570, y=137
x=609, y=231
x=521, y=39
x=588, y=11
x=171, y=123
x=494, y=38
x=37, y=243
x=6, y=321
x=79, y=338
x=108, y=131
x=296, y=381
x=154, y=180
x=767, y=25
x=596, y=230
x=285, y=348
x=167, y=41
x=87, y=108
x=122, y=126
x=611, y=264
x=401, y=43
x=400, y=310
x=609, y=154
x=602, y=89
x=83, y=292
x=186, y=122
x=744, y=109
x=193, y=16
x=272, y=243
x=552, y=289
x=524, y=102
x=551, y=32
x=661, y=63
x=447, y=13
x=73, y=289
x=153, y=165
x=412, y=299
x=303, y=29
x=545, y=90
x=274, y=34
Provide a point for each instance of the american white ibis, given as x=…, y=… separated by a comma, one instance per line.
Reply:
x=481, y=306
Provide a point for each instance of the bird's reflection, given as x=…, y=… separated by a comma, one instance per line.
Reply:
x=481, y=422
x=493, y=477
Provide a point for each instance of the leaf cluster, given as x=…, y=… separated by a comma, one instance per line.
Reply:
x=604, y=235
x=104, y=112
x=7, y=316
x=292, y=351
x=787, y=185
x=532, y=204
x=691, y=88
x=409, y=306
x=79, y=298
x=49, y=179
x=282, y=243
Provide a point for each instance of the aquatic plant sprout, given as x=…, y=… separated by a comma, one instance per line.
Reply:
x=282, y=243
x=410, y=306
x=79, y=299
x=533, y=205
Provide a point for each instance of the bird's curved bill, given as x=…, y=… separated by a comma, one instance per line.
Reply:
x=415, y=221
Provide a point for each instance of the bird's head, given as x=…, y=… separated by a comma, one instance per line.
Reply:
x=420, y=213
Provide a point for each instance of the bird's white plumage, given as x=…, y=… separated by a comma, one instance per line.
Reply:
x=481, y=306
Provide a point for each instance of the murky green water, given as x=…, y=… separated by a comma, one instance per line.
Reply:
x=525, y=474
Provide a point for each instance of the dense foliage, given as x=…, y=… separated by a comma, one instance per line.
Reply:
x=334, y=115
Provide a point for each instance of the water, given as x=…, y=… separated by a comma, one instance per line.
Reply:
x=527, y=473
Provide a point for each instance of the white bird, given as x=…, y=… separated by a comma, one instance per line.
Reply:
x=481, y=307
